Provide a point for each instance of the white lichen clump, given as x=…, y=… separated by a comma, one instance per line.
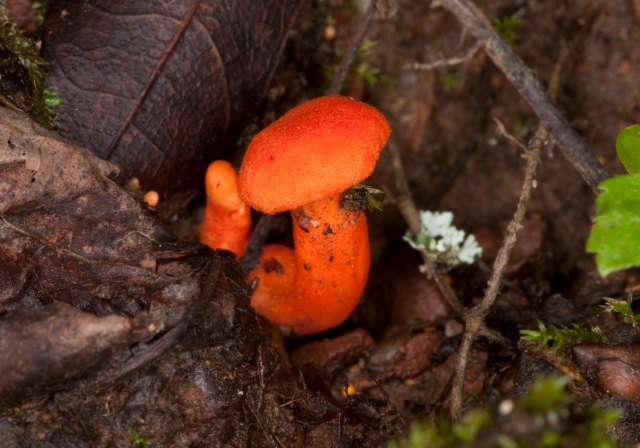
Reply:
x=442, y=242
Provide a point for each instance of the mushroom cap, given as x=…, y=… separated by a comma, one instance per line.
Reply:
x=318, y=149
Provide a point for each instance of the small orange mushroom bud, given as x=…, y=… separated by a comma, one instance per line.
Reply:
x=151, y=197
x=303, y=162
x=227, y=219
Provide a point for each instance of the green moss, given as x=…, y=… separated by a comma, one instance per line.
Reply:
x=422, y=435
x=505, y=27
x=623, y=309
x=551, y=415
x=138, y=440
x=561, y=337
x=25, y=51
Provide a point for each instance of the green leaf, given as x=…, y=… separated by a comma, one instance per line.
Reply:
x=628, y=147
x=615, y=238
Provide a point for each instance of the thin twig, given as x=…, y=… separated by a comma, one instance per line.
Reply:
x=441, y=283
x=508, y=136
x=533, y=159
x=352, y=52
x=571, y=143
x=474, y=318
x=448, y=62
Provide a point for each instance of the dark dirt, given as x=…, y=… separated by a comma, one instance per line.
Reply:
x=393, y=361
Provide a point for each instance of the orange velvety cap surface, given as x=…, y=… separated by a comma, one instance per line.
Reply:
x=318, y=149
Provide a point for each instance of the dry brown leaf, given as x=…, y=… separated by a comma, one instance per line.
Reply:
x=160, y=87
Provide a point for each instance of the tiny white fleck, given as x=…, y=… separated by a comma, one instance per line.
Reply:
x=506, y=407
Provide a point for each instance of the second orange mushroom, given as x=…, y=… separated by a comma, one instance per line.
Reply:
x=227, y=219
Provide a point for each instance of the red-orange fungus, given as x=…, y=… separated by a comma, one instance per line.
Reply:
x=227, y=219
x=303, y=162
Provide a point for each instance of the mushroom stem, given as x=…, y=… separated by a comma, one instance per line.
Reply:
x=331, y=263
x=227, y=219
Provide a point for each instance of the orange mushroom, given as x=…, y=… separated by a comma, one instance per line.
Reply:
x=227, y=219
x=152, y=198
x=303, y=162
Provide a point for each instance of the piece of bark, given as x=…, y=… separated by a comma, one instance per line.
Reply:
x=69, y=234
x=44, y=347
x=161, y=87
